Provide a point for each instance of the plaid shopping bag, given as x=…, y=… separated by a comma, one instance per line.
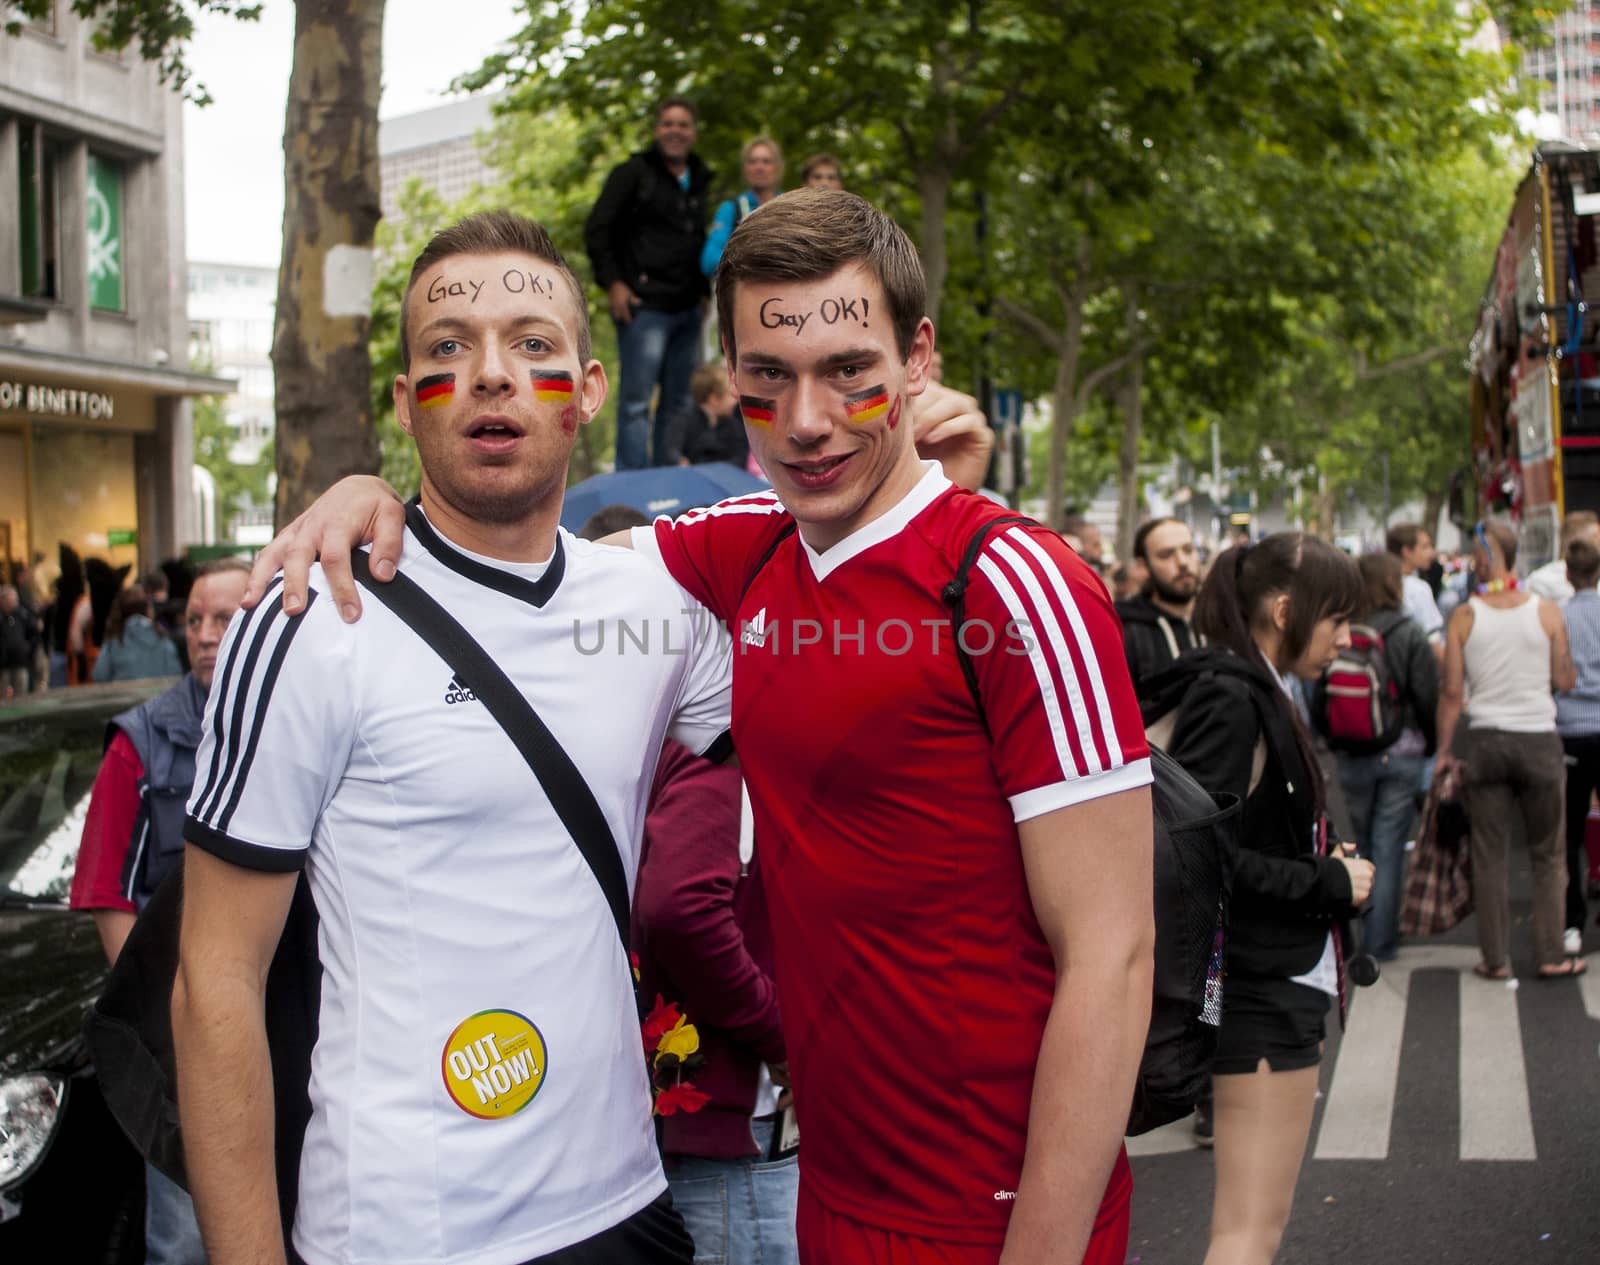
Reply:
x=1439, y=888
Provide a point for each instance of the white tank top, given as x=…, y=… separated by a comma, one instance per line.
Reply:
x=1508, y=670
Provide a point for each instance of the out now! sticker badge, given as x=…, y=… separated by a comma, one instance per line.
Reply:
x=493, y=1064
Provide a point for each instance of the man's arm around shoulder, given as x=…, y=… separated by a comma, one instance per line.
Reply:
x=232, y=919
x=1089, y=872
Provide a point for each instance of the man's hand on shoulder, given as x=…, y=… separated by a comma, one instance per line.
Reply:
x=357, y=510
x=950, y=428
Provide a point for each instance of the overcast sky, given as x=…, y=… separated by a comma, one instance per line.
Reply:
x=234, y=147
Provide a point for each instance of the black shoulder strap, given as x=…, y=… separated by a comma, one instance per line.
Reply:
x=766, y=557
x=954, y=595
x=569, y=794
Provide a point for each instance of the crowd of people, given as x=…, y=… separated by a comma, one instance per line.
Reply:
x=913, y=921
x=87, y=623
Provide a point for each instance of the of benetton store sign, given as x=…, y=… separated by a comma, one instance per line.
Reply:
x=31, y=397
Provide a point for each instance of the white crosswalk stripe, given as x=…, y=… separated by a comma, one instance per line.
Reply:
x=1495, y=1123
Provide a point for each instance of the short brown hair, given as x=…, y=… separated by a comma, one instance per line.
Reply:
x=1402, y=536
x=812, y=233
x=1577, y=524
x=1583, y=564
x=1382, y=582
x=677, y=103
x=221, y=566
x=707, y=380
x=819, y=160
x=494, y=233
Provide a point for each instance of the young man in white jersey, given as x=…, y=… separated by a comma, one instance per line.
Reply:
x=1506, y=653
x=960, y=870
x=477, y=1088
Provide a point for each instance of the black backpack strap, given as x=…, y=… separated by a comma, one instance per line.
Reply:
x=954, y=595
x=569, y=794
x=766, y=556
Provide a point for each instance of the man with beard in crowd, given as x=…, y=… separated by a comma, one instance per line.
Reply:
x=1155, y=624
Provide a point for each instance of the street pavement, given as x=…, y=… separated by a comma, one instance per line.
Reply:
x=1458, y=1121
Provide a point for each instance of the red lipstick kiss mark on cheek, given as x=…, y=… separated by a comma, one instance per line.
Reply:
x=894, y=413
x=569, y=420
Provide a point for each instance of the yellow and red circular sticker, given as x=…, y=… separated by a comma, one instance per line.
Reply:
x=493, y=1064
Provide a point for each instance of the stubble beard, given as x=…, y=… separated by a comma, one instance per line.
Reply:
x=1163, y=592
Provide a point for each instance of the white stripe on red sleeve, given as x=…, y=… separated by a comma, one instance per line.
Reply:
x=1086, y=647
x=1042, y=627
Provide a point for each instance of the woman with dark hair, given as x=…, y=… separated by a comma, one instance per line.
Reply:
x=1270, y=613
x=1381, y=787
x=135, y=648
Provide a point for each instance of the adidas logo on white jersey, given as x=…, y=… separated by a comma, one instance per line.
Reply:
x=755, y=630
x=455, y=692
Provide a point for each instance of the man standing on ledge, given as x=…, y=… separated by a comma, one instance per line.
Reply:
x=644, y=236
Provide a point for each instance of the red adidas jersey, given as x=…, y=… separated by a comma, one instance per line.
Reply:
x=914, y=979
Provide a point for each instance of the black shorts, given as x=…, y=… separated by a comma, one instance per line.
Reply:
x=1273, y=1019
x=655, y=1235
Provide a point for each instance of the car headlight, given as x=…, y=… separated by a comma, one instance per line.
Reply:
x=30, y=1106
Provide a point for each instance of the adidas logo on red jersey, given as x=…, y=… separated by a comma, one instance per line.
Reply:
x=755, y=630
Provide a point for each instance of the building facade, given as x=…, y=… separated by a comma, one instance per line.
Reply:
x=442, y=147
x=96, y=446
x=231, y=313
x=1567, y=72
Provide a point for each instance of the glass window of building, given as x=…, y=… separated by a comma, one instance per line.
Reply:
x=39, y=211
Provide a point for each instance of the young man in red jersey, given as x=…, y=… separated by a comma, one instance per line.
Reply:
x=960, y=889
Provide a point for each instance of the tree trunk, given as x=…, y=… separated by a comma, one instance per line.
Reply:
x=933, y=182
x=1065, y=412
x=330, y=208
x=1132, y=400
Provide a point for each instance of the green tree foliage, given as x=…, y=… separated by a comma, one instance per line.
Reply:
x=1217, y=202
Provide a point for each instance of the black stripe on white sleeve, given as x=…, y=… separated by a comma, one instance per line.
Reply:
x=241, y=709
x=221, y=687
x=249, y=856
x=263, y=697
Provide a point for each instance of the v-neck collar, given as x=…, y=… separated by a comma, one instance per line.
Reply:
x=534, y=592
x=886, y=526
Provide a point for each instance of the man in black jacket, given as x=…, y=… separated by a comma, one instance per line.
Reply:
x=1155, y=625
x=644, y=236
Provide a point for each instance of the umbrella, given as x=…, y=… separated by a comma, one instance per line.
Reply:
x=657, y=490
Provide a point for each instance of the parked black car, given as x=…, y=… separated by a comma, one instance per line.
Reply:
x=71, y=1185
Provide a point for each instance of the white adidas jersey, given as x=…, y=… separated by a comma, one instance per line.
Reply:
x=478, y=1085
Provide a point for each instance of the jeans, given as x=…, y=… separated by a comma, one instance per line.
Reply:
x=655, y=349
x=1381, y=793
x=1583, y=779
x=171, y=1234
x=740, y=1212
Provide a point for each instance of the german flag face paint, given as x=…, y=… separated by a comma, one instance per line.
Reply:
x=866, y=406
x=552, y=386
x=756, y=410
x=436, y=390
